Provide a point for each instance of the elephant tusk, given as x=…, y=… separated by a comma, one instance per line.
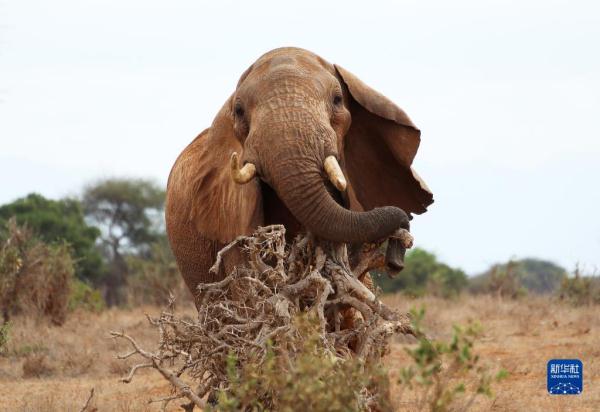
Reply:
x=243, y=175
x=334, y=172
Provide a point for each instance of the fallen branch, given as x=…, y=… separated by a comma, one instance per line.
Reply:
x=155, y=362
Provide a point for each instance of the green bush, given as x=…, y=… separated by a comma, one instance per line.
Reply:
x=441, y=371
x=4, y=336
x=305, y=376
x=57, y=222
x=85, y=297
x=422, y=274
x=446, y=282
x=442, y=376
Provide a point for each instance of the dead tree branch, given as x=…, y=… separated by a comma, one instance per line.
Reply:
x=252, y=310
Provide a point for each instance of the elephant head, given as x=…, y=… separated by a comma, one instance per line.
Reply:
x=305, y=143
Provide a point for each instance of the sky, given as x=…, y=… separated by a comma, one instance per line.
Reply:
x=506, y=94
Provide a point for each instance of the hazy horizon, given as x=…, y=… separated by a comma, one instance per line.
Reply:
x=506, y=95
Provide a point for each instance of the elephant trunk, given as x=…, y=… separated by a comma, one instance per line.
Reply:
x=308, y=198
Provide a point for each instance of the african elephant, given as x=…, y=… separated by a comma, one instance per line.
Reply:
x=319, y=151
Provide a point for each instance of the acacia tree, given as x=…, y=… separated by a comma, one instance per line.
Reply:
x=129, y=215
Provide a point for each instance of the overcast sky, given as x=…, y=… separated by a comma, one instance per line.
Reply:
x=506, y=93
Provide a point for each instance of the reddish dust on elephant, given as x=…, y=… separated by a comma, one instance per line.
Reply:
x=303, y=143
x=279, y=209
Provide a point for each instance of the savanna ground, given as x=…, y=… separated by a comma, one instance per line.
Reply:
x=46, y=368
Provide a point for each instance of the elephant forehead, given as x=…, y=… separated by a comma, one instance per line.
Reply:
x=289, y=80
x=290, y=61
x=284, y=85
x=282, y=59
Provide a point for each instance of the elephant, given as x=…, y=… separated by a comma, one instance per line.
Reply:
x=303, y=143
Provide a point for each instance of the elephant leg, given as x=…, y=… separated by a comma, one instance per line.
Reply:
x=195, y=255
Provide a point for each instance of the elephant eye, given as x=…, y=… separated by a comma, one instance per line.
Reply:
x=337, y=100
x=239, y=110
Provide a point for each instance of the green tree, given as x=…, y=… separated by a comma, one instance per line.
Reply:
x=422, y=273
x=58, y=221
x=129, y=213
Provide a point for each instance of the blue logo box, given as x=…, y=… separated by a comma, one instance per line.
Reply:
x=565, y=377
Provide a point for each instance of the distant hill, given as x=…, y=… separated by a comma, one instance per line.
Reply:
x=535, y=275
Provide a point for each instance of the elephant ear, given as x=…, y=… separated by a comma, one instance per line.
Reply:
x=378, y=152
x=211, y=201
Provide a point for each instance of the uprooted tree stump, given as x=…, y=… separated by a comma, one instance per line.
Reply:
x=251, y=311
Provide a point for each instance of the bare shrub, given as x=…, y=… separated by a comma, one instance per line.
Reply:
x=153, y=278
x=36, y=366
x=250, y=318
x=580, y=290
x=118, y=367
x=77, y=363
x=504, y=281
x=35, y=278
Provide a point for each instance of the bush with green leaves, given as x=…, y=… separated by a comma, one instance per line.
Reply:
x=446, y=282
x=446, y=376
x=423, y=273
x=58, y=222
x=441, y=376
x=85, y=297
x=4, y=336
x=308, y=376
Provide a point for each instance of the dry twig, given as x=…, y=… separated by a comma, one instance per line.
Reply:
x=87, y=402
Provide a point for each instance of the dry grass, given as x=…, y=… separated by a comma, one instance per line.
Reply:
x=519, y=335
x=78, y=356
